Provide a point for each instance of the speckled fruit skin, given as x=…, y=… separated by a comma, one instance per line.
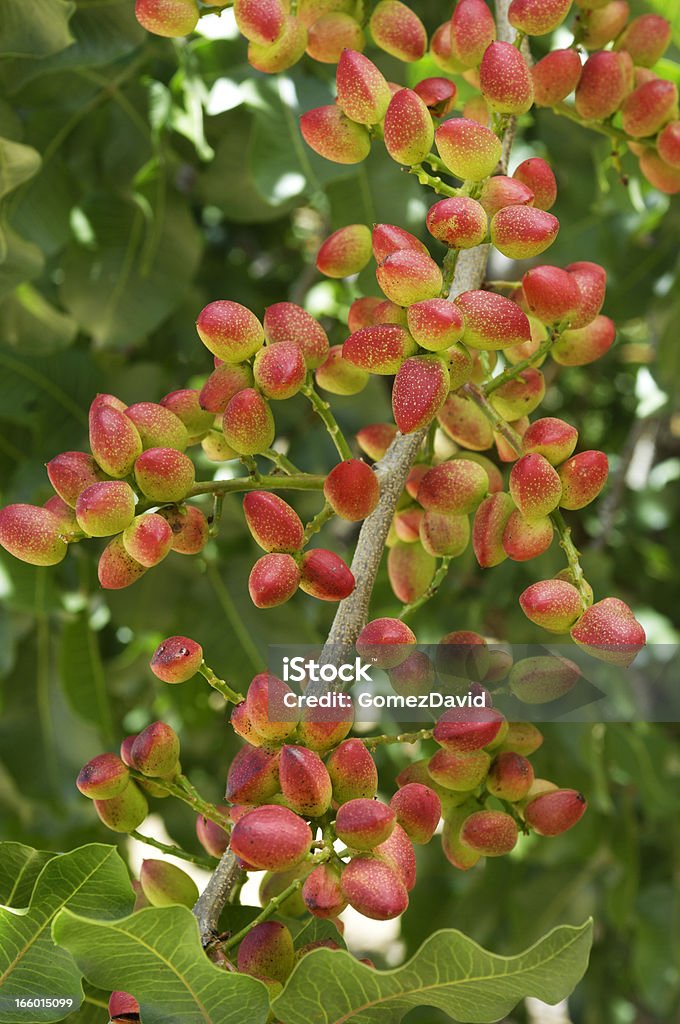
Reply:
x=325, y=576
x=646, y=39
x=398, y=30
x=248, y=423
x=273, y=580
x=185, y=404
x=510, y=777
x=470, y=150
x=379, y=349
x=444, y=535
x=472, y=29
x=385, y=642
x=352, y=489
x=117, y=569
x=321, y=729
x=267, y=951
x=241, y=724
x=177, y=659
x=553, y=604
x=190, y=530
x=438, y=94
x=122, y=1007
x=535, y=486
x=465, y=423
x=555, y=76
x=103, y=777
x=463, y=730
x=519, y=397
x=522, y=738
x=363, y=824
x=212, y=838
x=457, y=770
x=649, y=107
x=524, y=539
x=397, y=851
x=169, y=18
x=457, y=854
x=374, y=888
x=585, y=345
x=553, y=813
x=157, y=426
x=71, y=472
x=285, y=321
x=609, y=631
x=375, y=439
x=279, y=370
x=259, y=20
x=459, y=222
x=536, y=17
x=415, y=675
x=418, y=810
x=410, y=569
x=114, y=440
x=488, y=528
x=322, y=892
x=223, y=383
x=283, y=52
x=408, y=128
x=660, y=174
x=550, y=437
x=266, y=708
x=332, y=33
x=125, y=812
x=229, y=330
x=362, y=91
x=500, y=191
x=491, y=833
x=605, y=25
x=32, y=534
x=668, y=145
x=419, y=391
x=389, y=238
x=352, y=771
x=332, y=135
x=273, y=884
x=345, y=252
x=164, y=474
x=491, y=321
x=305, y=782
x=602, y=86
x=253, y=777
x=273, y=523
x=520, y=232
x=105, y=508
x=271, y=838
x=408, y=276
x=436, y=324
x=166, y=885
x=537, y=176
x=505, y=79
x=542, y=679
x=551, y=294
x=582, y=476
x=456, y=486
x=155, y=751
x=340, y=377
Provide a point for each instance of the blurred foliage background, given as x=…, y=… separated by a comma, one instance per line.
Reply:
x=142, y=178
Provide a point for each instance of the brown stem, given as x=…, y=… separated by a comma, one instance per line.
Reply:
x=210, y=903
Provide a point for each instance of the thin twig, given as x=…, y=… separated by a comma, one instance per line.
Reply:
x=207, y=863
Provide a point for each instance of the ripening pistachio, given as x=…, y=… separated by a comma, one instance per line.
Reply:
x=230, y=331
x=125, y=812
x=602, y=86
x=273, y=580
x=32, y=534
x=338, y=376
x=223, y=383
x=646, y=39
x=465, y=423
x=385, y=642
x=283, y=52
x=71, y=472
x=374, y=888
x=456, y=486
x=418, y=810
x=105, y=508
x=345, y=252
x=116, y=568
x=491, y=833
x=543, y=679
x=419, y=391
x=379, y=349
x=492, y=321
x=459, y=770
x=155, y=751
x=331, y=134
x=582, y=477
x=398, y=30
x=322, y=891
x=157, y=426
x=505, y=79
x=190, y=530
x=473, y=29
x=253, y=776
x=408, y=128
x=352, y=771
x=521, y=232
x=260, y=20
x=164, y=474
x=352, y=489
x=331, y=34
x=325, y=575
x=555, y=812
x=103, y=777
x=537, y=17
x=362, y=91
x=524, y=539
x=267, y=951
x=555, y=76
x=537, y=175
x=169, y=18
x=114, y=440
x=286, y=322
x=186, y=405
x=553, y=604
x=166, y=885
x=609, y=631
x=470, y=150
x=272, y=838
x=248, y=423
x=410, y=569
x=375, y=439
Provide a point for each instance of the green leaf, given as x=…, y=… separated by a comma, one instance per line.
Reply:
x=19, y=867
x=32, y=324
x=82, y=674
x=93, y=880
x=131, y=265
x=156, y=955
x=19, y=259
x=36, y=29
x=449, y=972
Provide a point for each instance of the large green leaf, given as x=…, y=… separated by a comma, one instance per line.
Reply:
x=156, y=955
x=131, y=265
x=19, y=259
x=36, y=29
x=449, y=971
x=93, y=880
x=19, y=868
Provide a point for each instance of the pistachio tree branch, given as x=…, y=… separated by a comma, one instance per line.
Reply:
x=294, y=482
x=212, y=900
